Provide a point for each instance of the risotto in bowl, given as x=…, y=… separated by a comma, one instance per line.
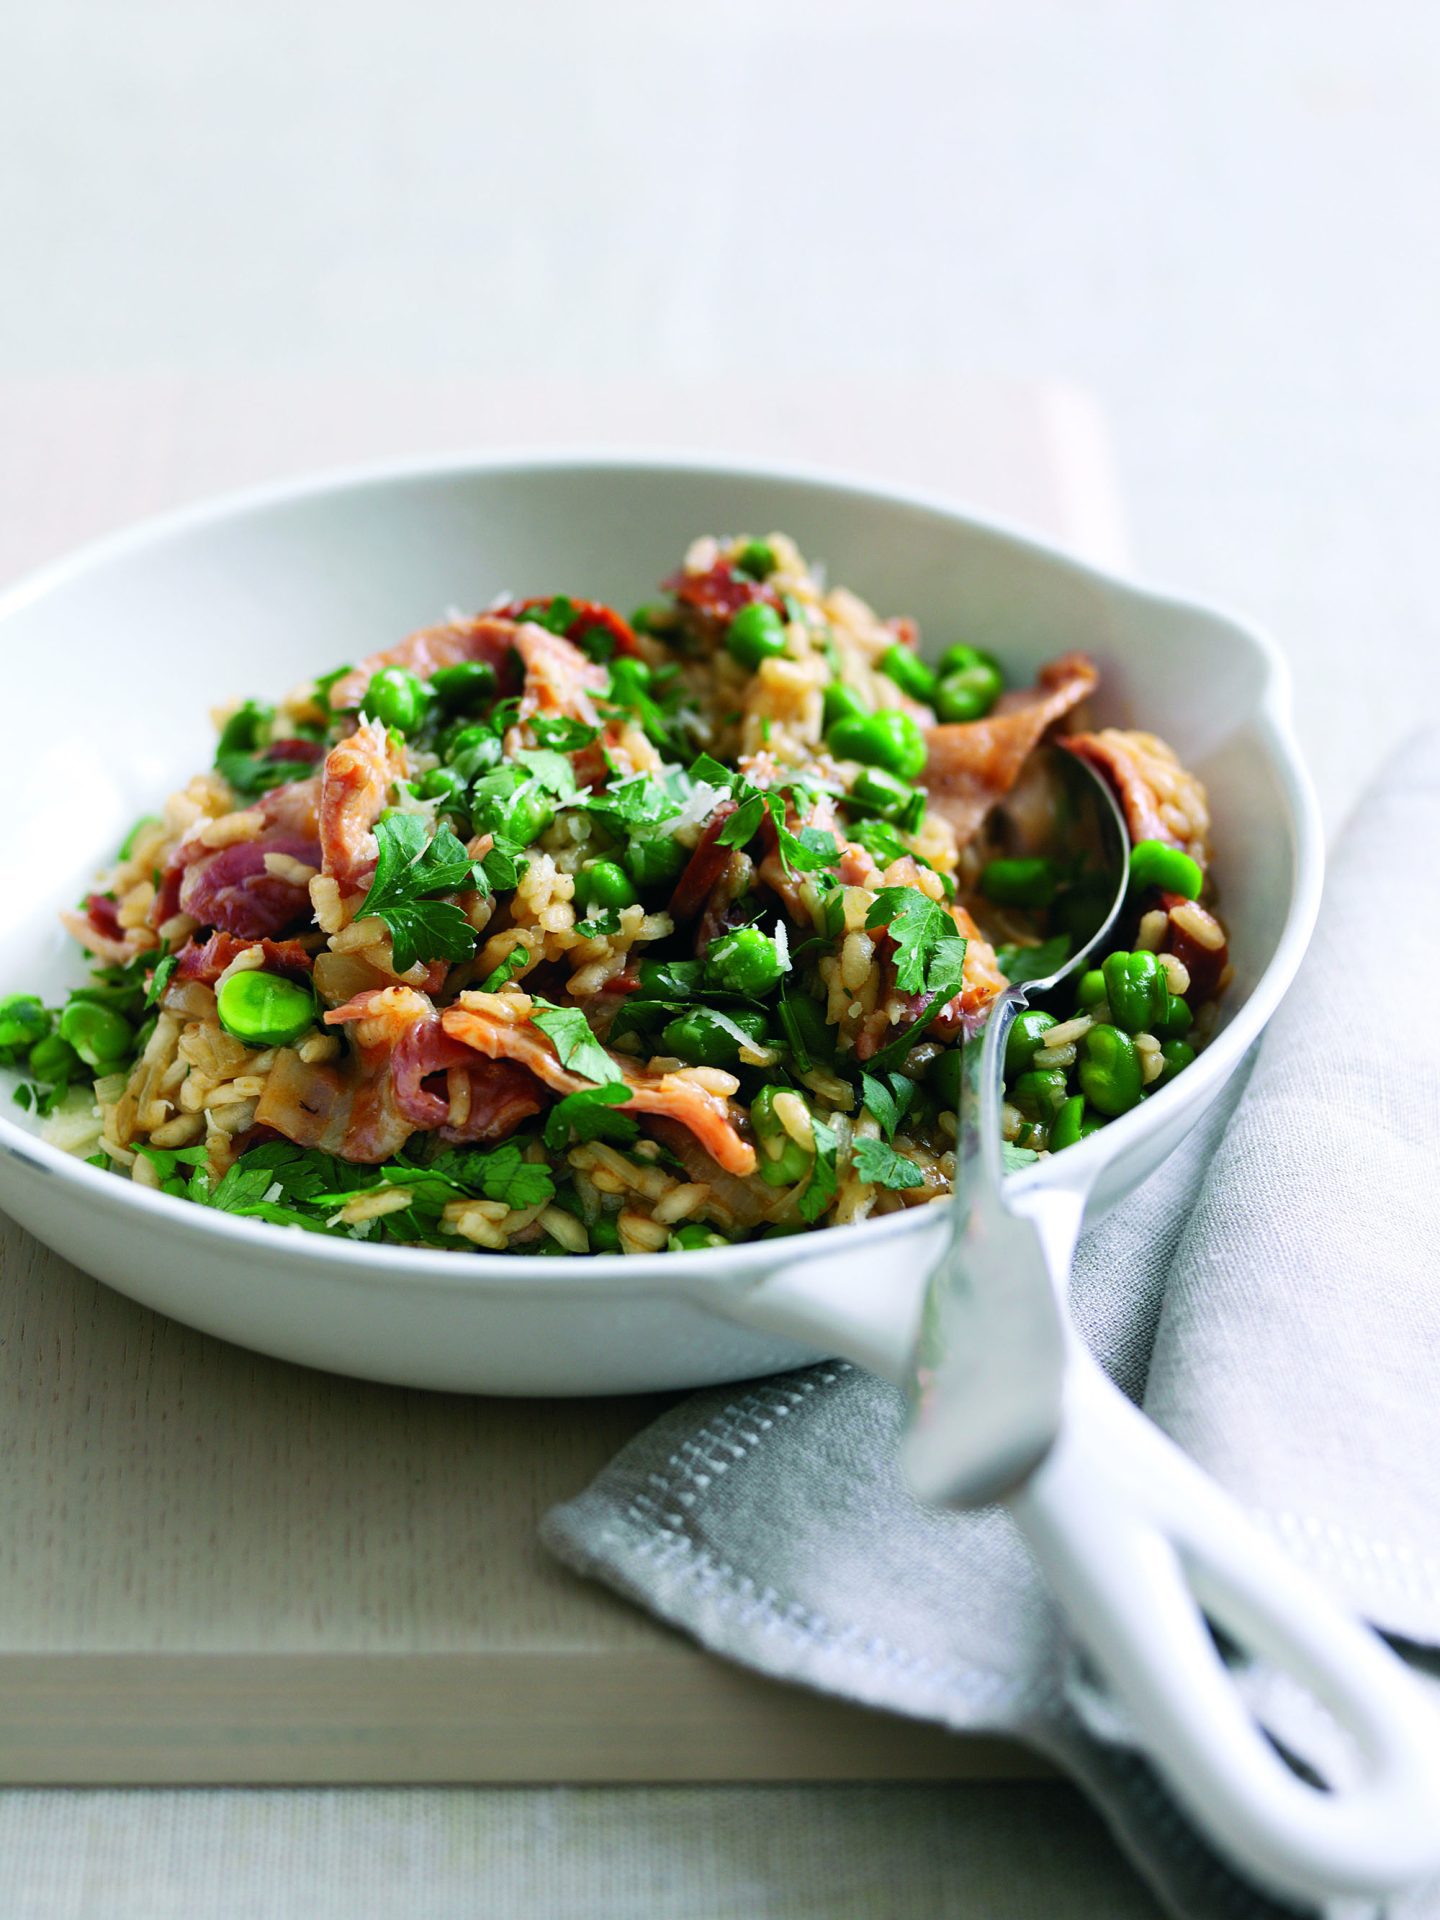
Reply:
x=564, y=926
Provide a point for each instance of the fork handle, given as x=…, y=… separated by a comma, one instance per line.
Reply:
x=1143, y=1549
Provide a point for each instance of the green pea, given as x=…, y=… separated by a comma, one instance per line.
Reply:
x=943, y=1074
x=1025, y=1038
x=265, y=1009
x=653, y=617
x=698, y=1037
x=509, y=804
x=746, y=961
x=53, y=1061
x=782, y=1161
x=1090, y=988
x=475, y=750
x=890, y=797
x=692, y=1236
x=909, y=672
x=806, y=1029
x=395, y=698
x=1155, y=864
x=529, y=815
x=1109, y=1071
x=629, y=681
x=246, y=728
x=842, y=703
x=604, y=883
x=1177, y=1055
x=756, y=633
x=497, y=787
x=1135, y=987
x=970, y=683
x=963, y=659
x=654, y=862
x=1028, y=882
x=1177, y=1020
x=1039, y=1095
x=98, y=1034
x=1070, y=1124
x=888, y=739
x=127, y=845
x=444, y=784
x=671, y=979
x=757, y=558
x=470, y=683
x=1081, y=908
x=23, y=1021
x=604, y=1235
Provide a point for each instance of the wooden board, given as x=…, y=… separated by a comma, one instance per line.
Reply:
x=215, y=1567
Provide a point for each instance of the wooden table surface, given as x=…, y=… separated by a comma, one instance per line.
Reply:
x=216, y=1567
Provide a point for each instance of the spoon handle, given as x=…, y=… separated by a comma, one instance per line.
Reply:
x=1145, y=1552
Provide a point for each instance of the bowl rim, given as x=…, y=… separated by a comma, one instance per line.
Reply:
x=502, y=1273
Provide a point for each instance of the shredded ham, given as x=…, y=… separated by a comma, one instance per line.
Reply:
x=718, y=594
x=365, y=1107
x=206, y=961
x=499, y=1026
x=705, y=866
x=973, y=765
x=1159, y=798
x=559, y=679
x=488, y=638
x=354, y=791
x=98, y=930
x=233, y=889
x=349, y=1108
x=588, y=617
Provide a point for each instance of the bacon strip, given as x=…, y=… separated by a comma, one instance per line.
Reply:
x=499, y=1026
x=559, y=679
x=365, y=1108
x=705, y=866
x=719, y=593
x=488, y=638
x=98, y=930
x=350, y=1108
x=974, y=764
x=206, y=962
x=354, y=792
x=589, y=615
x=235, y=891
x=1160, y=799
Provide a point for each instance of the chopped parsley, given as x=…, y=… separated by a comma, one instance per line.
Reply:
x=882, y=1166
x=409, y=870
x=889, y=1099
x=507, y=969
x=929, y=959
x=589, y=1115
x=549, y=769
x=820, y=1189
x=558, y=730
x=160, y=979
x=579, y=1051
x=1034, y=963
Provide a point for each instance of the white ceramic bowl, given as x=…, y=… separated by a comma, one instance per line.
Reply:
x=112, y=660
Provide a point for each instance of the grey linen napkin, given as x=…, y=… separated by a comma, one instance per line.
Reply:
x=1271, y=1297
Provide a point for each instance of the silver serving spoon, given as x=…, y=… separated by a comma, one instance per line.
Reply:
x=1143, y=1551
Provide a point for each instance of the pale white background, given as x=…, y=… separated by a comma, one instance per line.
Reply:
x=1219, y=218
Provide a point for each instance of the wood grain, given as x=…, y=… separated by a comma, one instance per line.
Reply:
x=217, y=1567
